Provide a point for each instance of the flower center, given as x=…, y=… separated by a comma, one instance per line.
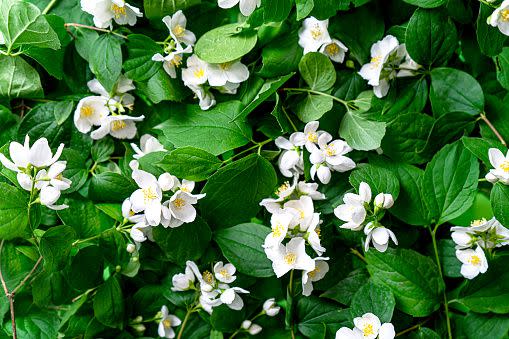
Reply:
x=208, y=277
x=224, y=273
x=478, y=222
x=179, y=203
x=505, y=165
x=313, y=273
x=504, y=14
x=184, y=188
x=332, y=49
x=277, y=230
x=376, y=60
x=313, y=137
x=316, y=32
x=225, y=66
x=59, y=177
x=167, y=323
x=290, y=258
x=86, y=111
x=199, y=73
x=330, y=151
x=118, y=125
x=177, y=60
x=179, y=31
x=282, y=188
x=475, y=260
x=368, y=330
x=149, y=194
x=118, y=11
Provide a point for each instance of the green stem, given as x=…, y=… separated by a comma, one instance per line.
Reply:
x=358, y=254
x=306, y=90
x=258, y=145
x=494, y=130
x=439, y=265
x=289, y=119
x=488, y=4
x=186, y=319
x=410, y=329
x=49, y=6
x=72, y=24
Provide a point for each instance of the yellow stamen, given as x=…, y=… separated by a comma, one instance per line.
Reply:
x=277, y=230
x=118, y=11
x=179, y=31
x=290, y=258
x=316, y=32
x=478, y=222
x=177, y=60
x=224, y=273
x=368, y=330
x=282, y=188
x=313, y=273
x=199, y=73
x=475, y=260
x=313, y=137
x=149, y=194
x=330, y=151
x=179, y=203
x=118, y=125
x=208, y=277
x=505, y=166
x=167, y=323
x=504, y=14
x=225, y=66
x=86, y=111
x=376, y=60
x=332, y=49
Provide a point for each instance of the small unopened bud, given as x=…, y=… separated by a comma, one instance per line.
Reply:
x=140, y=328
x=118, y=268
x=350, y=64
x=246, y=324
x=138, y=319
x=384, y=200
x=131, y=248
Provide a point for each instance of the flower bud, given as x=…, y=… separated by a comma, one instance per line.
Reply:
x=270, y=307
x=246, y=324
x=384, y=200
x=131, y=248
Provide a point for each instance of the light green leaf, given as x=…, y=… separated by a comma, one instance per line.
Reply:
x=381, y=180
x=106, y=60
x=276, y=10
x=190, y=163
x=109, y=186
x=56, y=244
x=412, y=277
x=281, y=56
x=304, y=7
x=161, y=87
x=450, y=182
x=139, y=65
x=215, y=131
x=225, y=44
x=318, y=72
x=245, y=241
x=157, y=9
x=18, y=79
x=235, y=191
x=500, y=203
x=312, y=107
x=361, y=134
x=109, y=303
x=374, y=298
x=13, y=212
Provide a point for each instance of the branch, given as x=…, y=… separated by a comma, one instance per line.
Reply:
x=490, y=125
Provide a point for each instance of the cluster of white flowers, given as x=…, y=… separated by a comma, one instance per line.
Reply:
x=104, y=11
x=38, y=170
x=106, y=110
x=357, y=214
x=214, y=287
x=327, y=155
x=314, y=36
x=146, y=208
x=483, y=235
x=246, y=6
x=367, y=327
x=500, y=17
x=500, y=163
x=389, y=59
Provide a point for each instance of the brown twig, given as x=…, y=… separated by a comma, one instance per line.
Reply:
x=72, y=24
x=490, y=125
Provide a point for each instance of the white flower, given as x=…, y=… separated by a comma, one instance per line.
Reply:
x=177, y=26
x=291, y=161
x=311, y=190
x=251, y=328
x=282, y=192
x=309, y=137
x=279, y=223
x=290, y=256
x=205, y=97
x=148, y=144
x=229, y=72
x=181, y=206
x=119, y=96
x=53, y=177
x=168, y=321
x=500, y=163
x=369, y=327
x=353, y=212
x=379, y=235
x=228, y=88
x=39, y=155
x=118, y=126
x=408, y=67
x=384, y=200
x=270, y=307
x=148, y=197
x=474, y=262
x=131, y=248
x=49, y=196
x=308, y=277
x=196, y=72
x=302, y=211
x=232, y=299
x=141, y=231
x=335, y=50
x=313, y=236
x=183, y=281
x=313, y=34
x=129, y=214
x=89, y=112
x=322, y=171
x=462, y=237
x=331, y=154
x=246, y=6
x=347, y=333
x=500, y=18
x=173, y=60
x=106, y=10
x=225, y=273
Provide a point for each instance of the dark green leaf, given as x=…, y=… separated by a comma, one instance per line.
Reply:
x=190, y=163
x=56, y=244
x=109, y=303
x=106, y=60
x=13, y=211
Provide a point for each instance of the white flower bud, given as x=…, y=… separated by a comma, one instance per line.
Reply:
x=255, y=329
x=270, y=307
x=131, y=248
x=246, y=324
x=384, y=200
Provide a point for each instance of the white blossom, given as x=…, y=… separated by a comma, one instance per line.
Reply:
x=313, y=34
x=313, y=235
x=379, y=235
x=231, y=298
x=89, y=112
x=384, y=200
x=270, y=307
x=196, y=72
x=181, y=206
x=104, y=11
x=291, y=161
x=225, y=273
x=279, y=223
x=250, y=327
x=118, y=126
x=177, y=26
x=282, y=192
x=205, y=97
x=309, y=277
x=148, y=144
x=309, y=137
x=353, y=211
x=148, y=197
x=23, y=156
x=229, y=72
x=290, y=256
x=500, y=163
x=172, y=60
x=168, y=321
x=302, y=211
x=474, y=262
x=246, y=6
x=183, y=281
x=500, y=18
x=335, y=50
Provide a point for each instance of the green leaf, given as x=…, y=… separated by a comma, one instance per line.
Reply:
x=109, y=303
x=157, y=9
x=489, y=292
x=79, y=210
x=50, y=289
x=345, y=289
x=161, y=87
x=225, y=44
x=317, y=71
x=106, y=60
x=482, y=326
x=431, y=37
x=412, y=277
x=450, y=263
x=450, y=182
x=21, y=24
x=13, y=212
x=139, y=65
x=215, y=131
x=502, y=64
x=480, y=147
x=374, y=298
x=500, y=203
x=489, y=38
x=109, y=186
x=225, y=319
x=18, y=79
x=186, y=242
x=190, y=163
x=86, y=268
x=381, y=180
x=453, y=90
x=76, y=169
x=102, y=150
x=361, y=134
x=317, y=317
x=235, y=191
x=304, y=7
x=426, y=3
x=276, y=10
x=56, y=244
x=312, y=107
x=281, y=56
x=245, y=241
x=38, y=324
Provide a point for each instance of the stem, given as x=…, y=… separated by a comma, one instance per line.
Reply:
x=49, y=6
x=9, y=295
x=358, y=255
x=95, y=29
x=290, y=291
x=439, y=265
x=410, y=329
x=490, y=125
x=289, y=119
x=15, y=290
x=257, y=145
x=306, y=90
x=487, y=3
x=188, y=314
